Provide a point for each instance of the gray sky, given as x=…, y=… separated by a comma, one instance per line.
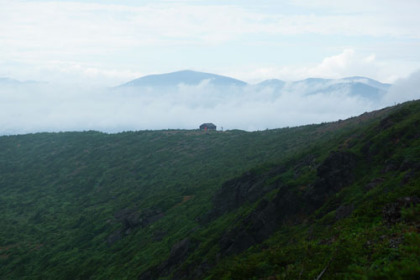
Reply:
x=110, y=42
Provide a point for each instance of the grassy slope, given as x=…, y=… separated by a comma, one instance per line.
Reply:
x=60, y=192
x=363, y=244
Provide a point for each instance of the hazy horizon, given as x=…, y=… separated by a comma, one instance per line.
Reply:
x=252, y=81
x=79, y=49
x=50, y=108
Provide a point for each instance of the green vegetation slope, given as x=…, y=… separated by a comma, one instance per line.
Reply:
x=329, y=200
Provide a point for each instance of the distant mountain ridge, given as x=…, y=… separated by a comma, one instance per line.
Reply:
x=12, y=82
x=355, y=86
x=187, y=77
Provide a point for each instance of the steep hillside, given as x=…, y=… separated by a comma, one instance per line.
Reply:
x=327, y=200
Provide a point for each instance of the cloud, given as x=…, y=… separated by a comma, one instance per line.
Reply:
x=345, y=64
x=159, y=36
x=404, y=90
x=45, y=107
x=83, y=27
x=30, y=108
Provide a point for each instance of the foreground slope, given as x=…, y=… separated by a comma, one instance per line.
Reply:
x=334, y=200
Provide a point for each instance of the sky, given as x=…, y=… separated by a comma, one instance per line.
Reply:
x=105, y=43
x=79, y=49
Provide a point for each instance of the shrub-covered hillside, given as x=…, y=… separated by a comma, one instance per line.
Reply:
x=335, y=200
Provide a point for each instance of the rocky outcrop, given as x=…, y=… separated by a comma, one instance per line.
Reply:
x=344, y=211
x=179, y=253
x=289, y=205
x=391, y=213
x=335, y=172
x=262, y=223
x=131, y=219
x=234, y=193
x=373, y=183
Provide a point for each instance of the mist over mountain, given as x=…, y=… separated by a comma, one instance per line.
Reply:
x=355, y=86
x=4, y=81
x=360, y=86
x=185, y=99
x=275, y=83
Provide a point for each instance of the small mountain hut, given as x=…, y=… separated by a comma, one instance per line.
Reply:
x=207, y=126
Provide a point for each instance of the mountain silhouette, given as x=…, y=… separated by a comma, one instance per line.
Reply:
x=186, y=77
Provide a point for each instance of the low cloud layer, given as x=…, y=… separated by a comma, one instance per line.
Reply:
x=404, y=89
x=44, y=107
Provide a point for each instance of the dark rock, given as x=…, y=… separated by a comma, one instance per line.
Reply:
x=395, y=241
x=344, y=211
x=408, y=176
x=159, y=235
x=372, y=184
x=391, y=165
x=327, y=241
x=308, y=161
x=310, y=233
x=386, y=123
x=114, y=237
x=262, y=223
x=148, y=275
x=199, y=271
x=130, y=219
x=234, y=193
x=150, y=217
x=411, y=165
x=366, y=149
x=288, y=205
x=391, y=213
x=335, y=172
x=179, y=252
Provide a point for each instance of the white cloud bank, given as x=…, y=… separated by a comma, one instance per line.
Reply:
x=404, y=89
x=348, y=63
x=37, y=108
